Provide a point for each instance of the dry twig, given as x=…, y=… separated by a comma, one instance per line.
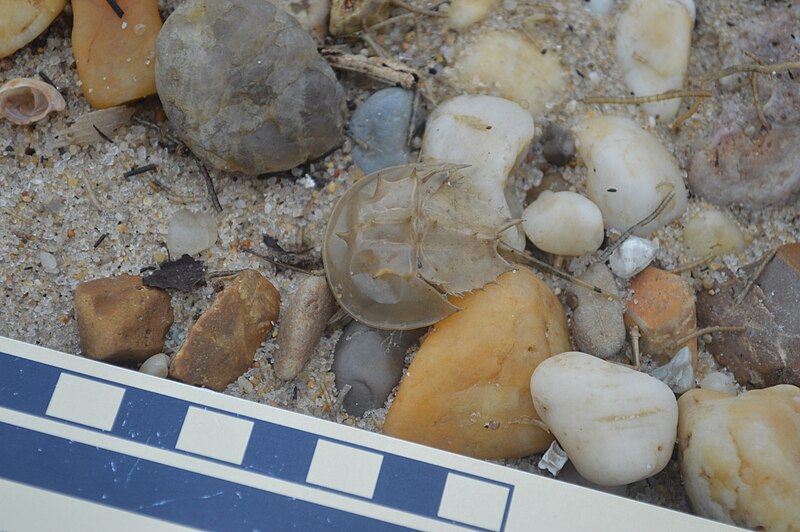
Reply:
x=386, y=70
x=708, y=330
x=753, y=278
x=629, y=231
x=638, y=100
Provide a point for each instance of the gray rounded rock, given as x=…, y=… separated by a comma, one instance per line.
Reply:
x=597, y=324
x=245, y=87
x=558, y=146
x=371, y=362
x=381, y=123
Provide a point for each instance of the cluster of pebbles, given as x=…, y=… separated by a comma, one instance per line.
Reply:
x=640, y=154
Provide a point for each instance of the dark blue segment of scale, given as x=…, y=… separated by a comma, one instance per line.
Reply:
x=153, y=489
x=159, y=491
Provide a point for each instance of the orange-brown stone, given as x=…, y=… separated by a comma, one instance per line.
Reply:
x=468, y=388
x=222, y=343
x=120, y=320
x=115, y=55
x=665, y=303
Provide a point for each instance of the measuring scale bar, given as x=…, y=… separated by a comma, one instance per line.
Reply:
x=91, y=446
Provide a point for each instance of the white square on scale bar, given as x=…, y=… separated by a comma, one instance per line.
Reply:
x=85, y=401
x=473, y=502
x=344, y=468
x=214, y=435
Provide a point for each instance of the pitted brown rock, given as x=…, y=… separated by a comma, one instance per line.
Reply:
x=120, y=320
x=222, y=343
x=768, y=353
x=736, y=161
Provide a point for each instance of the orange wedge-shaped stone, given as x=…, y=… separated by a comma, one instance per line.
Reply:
x=468, y=389
x=115, y=54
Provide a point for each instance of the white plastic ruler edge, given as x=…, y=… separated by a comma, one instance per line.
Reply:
x=537, y=502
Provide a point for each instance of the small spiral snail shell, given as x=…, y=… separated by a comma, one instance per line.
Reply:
x=26, y=100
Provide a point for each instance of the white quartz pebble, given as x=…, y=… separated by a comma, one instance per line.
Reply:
x=711, y=232
x=48, y=261
x=509, y=63
x=617, y=425
x=564, y=223
x=632, y=256
x=678, y=373
x=190, y=233
x=629, y=173
x=157, y=365
x=720, y=382
x=490, y=135
x=601, y=7
x=653, y=41
x=465, y=13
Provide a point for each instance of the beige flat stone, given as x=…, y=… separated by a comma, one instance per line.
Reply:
x=120, y=320
x=23, y=20
x=468, y=388
x=740, y=456
x=222, y=343
x=115, y=55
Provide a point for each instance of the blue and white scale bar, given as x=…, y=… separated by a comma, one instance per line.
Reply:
x=90, y=446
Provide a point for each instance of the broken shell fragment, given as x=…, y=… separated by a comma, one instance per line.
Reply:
x=90, y=127
x=21, y=22
x=26, y=100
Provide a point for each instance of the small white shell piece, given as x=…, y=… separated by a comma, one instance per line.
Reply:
x=25, y=100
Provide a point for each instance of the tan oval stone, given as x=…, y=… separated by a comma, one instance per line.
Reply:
x=120, y=320
x=222, y=343
x=303, y=325
x=740, y=456
x=514, y=67
x=712, y=232
x=115, y=55
x=22, y=22
x=468, y=388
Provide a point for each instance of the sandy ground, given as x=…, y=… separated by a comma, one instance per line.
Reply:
x=62, y=200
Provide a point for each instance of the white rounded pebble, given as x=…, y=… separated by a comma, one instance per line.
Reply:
x=490, y=135
x=629, y=173
x=465, y=13
x=653, y=41
x=712, y=232
x=720, y=382
x=564, y=223
x=632, y=256
x=48, y=261
x=617, y=425
x=190, y=233
x=157, y=365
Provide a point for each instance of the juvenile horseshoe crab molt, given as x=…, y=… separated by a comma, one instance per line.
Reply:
x=403, y=239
